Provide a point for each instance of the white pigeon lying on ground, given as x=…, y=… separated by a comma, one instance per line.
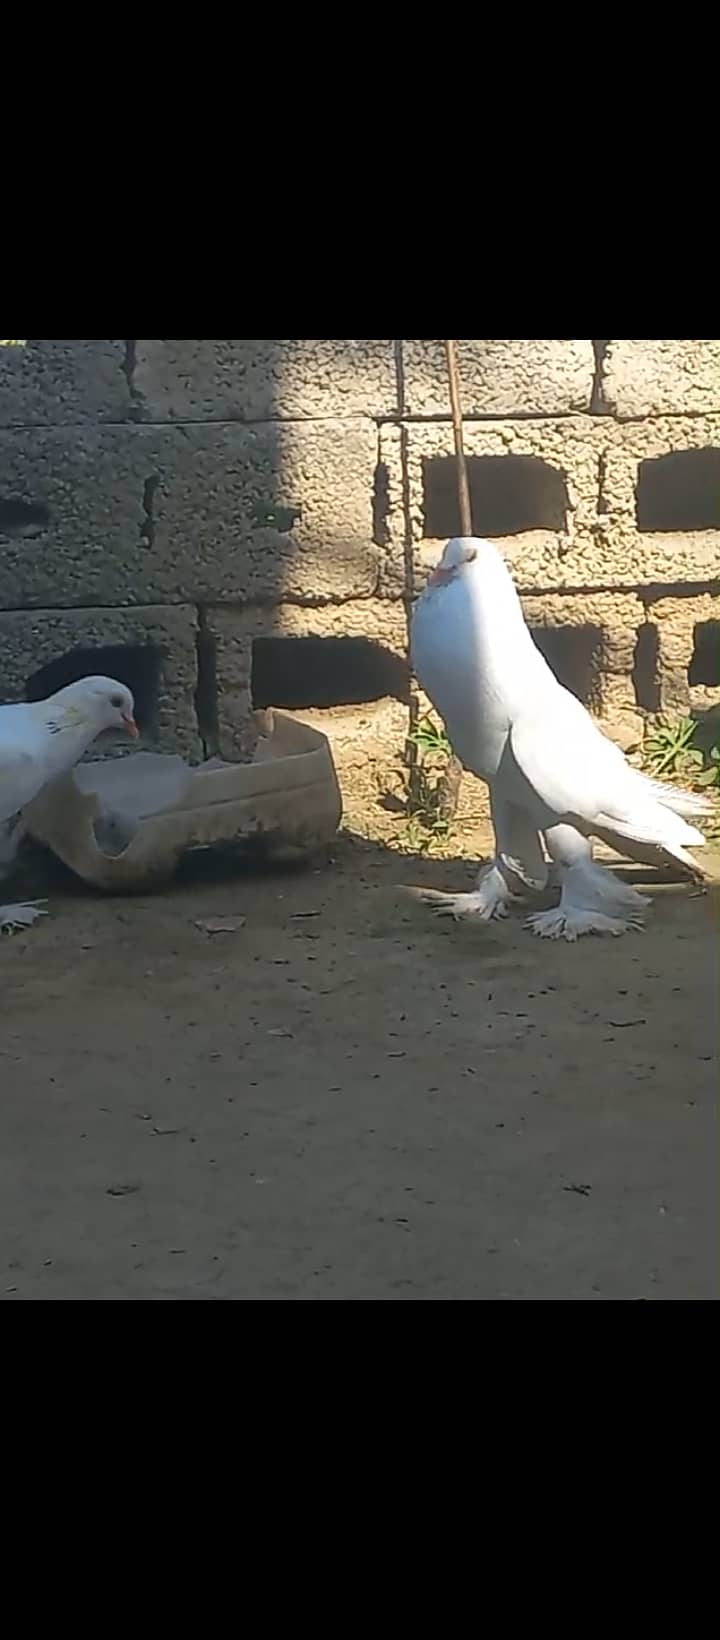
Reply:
x=40, y=741
x=554, y=778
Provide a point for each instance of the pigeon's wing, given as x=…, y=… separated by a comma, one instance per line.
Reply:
x=566, y=761
x=576, y=771
x=21, y=777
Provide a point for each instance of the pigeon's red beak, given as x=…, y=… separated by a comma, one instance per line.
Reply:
x=131, y=726
x=440, y=577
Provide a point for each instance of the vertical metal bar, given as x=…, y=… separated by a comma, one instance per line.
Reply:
x=449, y=793
x=462, y=475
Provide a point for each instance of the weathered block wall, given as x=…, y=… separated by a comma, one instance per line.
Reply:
x=176, y=507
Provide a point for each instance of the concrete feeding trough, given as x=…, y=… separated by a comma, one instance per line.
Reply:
x=125, y=823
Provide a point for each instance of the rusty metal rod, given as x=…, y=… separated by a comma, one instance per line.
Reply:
x=462, y=474
x=449, y=786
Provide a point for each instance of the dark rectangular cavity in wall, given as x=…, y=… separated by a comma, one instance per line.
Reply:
x=508, y=496
x=574, y=654
x=679, y=491
x=704, y=668
x=138, y=666
x=645, y=678
x=298, y=673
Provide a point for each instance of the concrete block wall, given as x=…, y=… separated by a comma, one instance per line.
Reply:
x=226, y=519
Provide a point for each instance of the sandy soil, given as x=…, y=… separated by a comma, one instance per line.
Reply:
x=349, y=1098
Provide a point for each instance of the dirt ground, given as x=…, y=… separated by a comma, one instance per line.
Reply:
x=347, y=1097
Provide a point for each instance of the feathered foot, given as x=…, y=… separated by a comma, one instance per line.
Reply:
x=491, y=898
x=569, y=924
x=22, y=915
x=592, y=901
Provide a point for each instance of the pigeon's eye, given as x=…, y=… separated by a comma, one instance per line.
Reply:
x=116, y=700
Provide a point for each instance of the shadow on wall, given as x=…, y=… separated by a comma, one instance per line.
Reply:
x=261, y=504
x=311, y=670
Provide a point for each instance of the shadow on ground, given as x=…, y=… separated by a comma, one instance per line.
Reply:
x=347, y=1097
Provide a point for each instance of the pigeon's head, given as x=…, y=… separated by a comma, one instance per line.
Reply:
x=102, y=702
x=457, y=560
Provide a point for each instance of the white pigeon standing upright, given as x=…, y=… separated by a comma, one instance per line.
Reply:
x=40, y=741
x=554, y=777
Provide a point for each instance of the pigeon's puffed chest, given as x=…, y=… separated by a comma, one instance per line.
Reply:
x=457, y=669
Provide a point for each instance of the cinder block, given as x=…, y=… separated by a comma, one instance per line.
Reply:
x=229, y=729
x=155, y=515
x=661, y=378
x=375, y=619
x=500, y=378
x=33, y=640
x=676, y=621
x=616, y=614
x=71, y=516
x=47, y=383
x=591, y=645
x=232, y=632
x=659, y=507
x=263, y=380
x=534, y=489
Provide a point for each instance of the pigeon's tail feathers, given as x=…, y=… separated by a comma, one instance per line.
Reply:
x=676, y=798
x=652, y=824
x=659, y=827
